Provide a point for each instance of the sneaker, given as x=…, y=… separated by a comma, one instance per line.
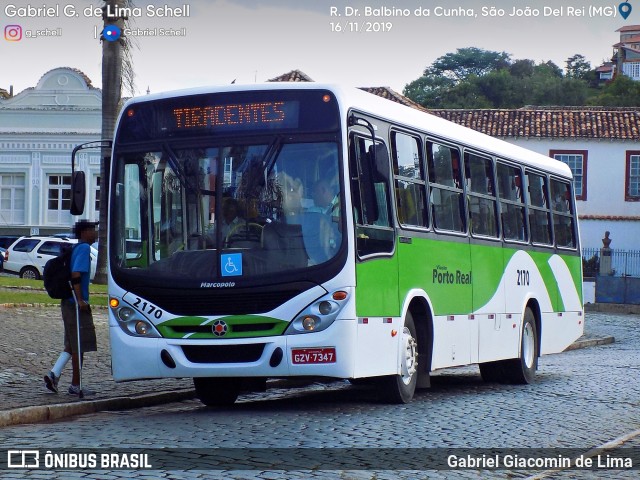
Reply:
x=75, y=390
x=51, y=382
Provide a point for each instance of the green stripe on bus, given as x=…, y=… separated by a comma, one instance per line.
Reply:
x=458, y=278
x=238, y=326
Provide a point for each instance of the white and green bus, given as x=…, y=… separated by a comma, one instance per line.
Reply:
x=294, y=230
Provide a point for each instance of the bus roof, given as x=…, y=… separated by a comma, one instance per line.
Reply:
x=401, y=115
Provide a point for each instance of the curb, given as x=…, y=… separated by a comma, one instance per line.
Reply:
x=45, y=413
x=616, y=308
x=578, y=344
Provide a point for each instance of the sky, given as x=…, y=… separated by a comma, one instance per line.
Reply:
x=383, y=43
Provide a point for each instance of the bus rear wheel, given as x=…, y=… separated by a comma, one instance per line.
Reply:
x=400, y=388
x=217, y=391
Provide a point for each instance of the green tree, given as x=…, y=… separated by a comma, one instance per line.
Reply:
x=469, y=61
x=503, y=90
x=475, y=78
x=578, y=67
x=428, y=90
x=621, y=92
x=522, y=68
x=436, y=88
x=548, y=68
x=465, y=95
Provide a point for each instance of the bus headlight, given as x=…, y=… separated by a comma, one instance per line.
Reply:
x=320, y=314
x=133, y=322
x=142, y=328
x=125, y=314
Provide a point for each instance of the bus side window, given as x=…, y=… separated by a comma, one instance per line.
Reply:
x=409, y=180
x=512, y=211
x=371, y=200
x=481, y=196
x=446, y=187
x=539, y=215
x=563, y=215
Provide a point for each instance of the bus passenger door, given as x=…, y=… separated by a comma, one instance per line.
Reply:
x=376, y=266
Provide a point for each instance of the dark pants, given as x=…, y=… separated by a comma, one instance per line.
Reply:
x=87, y=330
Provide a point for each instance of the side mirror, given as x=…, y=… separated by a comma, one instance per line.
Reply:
x=78, y=185
x=78, y=193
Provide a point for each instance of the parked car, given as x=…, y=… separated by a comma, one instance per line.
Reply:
x=28, y=255
x=2, y=252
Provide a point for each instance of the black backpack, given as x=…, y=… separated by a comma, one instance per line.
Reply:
x=57, y=274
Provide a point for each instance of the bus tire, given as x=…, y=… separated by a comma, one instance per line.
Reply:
x=522, y=370
x=400, y=388
x=217, y=391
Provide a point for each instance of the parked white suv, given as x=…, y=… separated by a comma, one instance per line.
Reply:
x=28, y=255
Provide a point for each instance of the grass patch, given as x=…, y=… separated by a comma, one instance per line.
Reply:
x=41, y=298
x=32, y=291
x=37, y=284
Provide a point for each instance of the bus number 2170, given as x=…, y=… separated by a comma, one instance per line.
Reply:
x=147, y=308
x=523, y=278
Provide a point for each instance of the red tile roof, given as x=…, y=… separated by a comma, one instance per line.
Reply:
x=551, y=122
x=292, y=76
x=629, y=28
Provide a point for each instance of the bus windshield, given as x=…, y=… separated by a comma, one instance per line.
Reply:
x=227, y=211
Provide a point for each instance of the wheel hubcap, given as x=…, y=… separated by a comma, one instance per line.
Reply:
x=410, y=357
x=528, y=345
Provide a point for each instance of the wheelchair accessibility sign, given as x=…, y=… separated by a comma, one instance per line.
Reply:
x=231, y=264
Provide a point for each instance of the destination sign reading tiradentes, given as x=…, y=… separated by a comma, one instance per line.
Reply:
x=274, y=114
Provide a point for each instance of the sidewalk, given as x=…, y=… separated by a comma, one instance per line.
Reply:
x=31, y=341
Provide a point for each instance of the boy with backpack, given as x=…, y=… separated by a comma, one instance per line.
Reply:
x=80, y=268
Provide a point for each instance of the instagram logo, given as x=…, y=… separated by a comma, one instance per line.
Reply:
x=13, y=33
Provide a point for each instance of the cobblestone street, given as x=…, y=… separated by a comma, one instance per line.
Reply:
x=582, y=399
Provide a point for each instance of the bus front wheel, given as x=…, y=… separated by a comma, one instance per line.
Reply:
x=400, y=388
x=217, y=391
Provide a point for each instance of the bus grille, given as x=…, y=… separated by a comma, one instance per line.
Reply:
x=206, y=303
x=223, y=353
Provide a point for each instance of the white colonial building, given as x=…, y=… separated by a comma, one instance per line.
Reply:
x=39, y=127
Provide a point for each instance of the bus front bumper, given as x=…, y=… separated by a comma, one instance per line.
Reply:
x=328, y=353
